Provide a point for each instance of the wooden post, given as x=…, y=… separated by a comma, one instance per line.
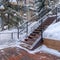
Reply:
x=27, y=29
x=41, y=31
x=12, y=35
x=56, y=14
x=2, y=25
x=18, y=33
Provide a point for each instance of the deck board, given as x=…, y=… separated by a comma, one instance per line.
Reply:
x=15, y=53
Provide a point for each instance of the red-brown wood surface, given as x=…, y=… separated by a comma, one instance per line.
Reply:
x=16, y=53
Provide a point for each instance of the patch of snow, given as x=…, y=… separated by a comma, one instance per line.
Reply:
x=7, y=45
x=6, y=14
x=15, y=14
x=5, y=27
x=8, y=31
x=58, y=14
x=49, y=50
x=52, y=32
x=2, y=7
x=12, y=1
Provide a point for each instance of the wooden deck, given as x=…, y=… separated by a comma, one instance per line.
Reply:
x=15, y=53
x=51, y=43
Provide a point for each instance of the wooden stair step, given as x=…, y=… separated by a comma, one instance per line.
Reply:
x=33, y=34
x=25, y=46
x=36, y=32
x=28, y=39
x=33, y=38
x=38, y=29
x=36, y=35
x=28, y=42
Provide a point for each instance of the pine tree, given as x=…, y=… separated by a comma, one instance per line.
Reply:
x=41, y=4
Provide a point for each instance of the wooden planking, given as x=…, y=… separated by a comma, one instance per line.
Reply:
x=55, y=44
x=15, y=53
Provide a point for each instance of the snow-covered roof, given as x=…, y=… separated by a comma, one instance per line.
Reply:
x=52, y=32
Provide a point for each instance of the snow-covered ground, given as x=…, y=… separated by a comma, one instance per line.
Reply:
x=53, y=32
x=10, y=36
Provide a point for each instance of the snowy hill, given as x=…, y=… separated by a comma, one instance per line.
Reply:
x=53, y=31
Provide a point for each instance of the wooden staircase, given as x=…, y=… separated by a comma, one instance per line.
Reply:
x=34, y=39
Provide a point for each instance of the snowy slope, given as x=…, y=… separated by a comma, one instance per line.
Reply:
x=53, y=31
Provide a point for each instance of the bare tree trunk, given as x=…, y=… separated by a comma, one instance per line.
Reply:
x=2, y=25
